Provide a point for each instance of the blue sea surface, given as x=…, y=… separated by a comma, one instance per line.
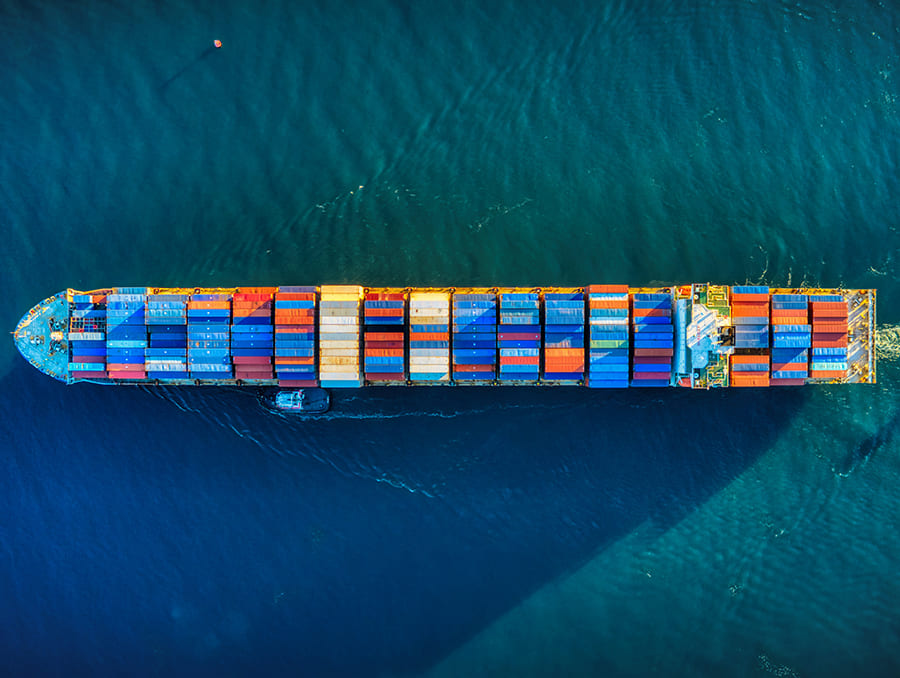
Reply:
x=467, y=531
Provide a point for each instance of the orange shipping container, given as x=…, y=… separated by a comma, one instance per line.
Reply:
x=749, y=379
x=607, y=289
x=749, y=359
x=294, y=360
x=750, y=311
x=564, y=352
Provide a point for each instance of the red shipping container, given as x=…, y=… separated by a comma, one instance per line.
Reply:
x=251, y=360
x=89, y=374
x=563, y=366
x=651, y=375
x=653, y=351
x=385, y=296
x=88, y=359
x=777, y=367
x=652, y=360
x=385, y=376
x=386, y=345
x=519, y=336
x=520, y=360
x=126, y=375
x=295, y=296
x=298, y=383
x=256, y=290
x=384, y=336
x=429, y=336
x=654, y=312
x=788, y=382
x=472, y=368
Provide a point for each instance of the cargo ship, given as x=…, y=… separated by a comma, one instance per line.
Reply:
x=697, y=336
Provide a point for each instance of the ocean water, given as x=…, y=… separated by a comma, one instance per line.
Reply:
x=449, y=532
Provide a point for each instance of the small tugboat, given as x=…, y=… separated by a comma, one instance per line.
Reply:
x=301, y=401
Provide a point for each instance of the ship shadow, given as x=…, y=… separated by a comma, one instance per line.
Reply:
x=482, y=496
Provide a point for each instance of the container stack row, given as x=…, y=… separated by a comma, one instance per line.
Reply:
x=830, y=337
x=429, y=336
x=750, y=316
x=87, y=336
x=126, y=334
x=474, y=337
x=384, y=336
x=167, y=339
x=791, y=337
x=295, y=336
x=252, y=333
x=609, y=336
x=750, y=370
x=339, y=336
x=654, y=339
x=564, y=336
x=209, y=336
x=520, y=336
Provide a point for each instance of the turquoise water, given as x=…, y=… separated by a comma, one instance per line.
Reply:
x=464, y=532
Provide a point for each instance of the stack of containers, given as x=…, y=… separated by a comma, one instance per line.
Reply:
x=166, y=354
x=474, y=337
x=790, y=339
x=295, y=336
x=126, y=333
x=520, y=336
x=564, y=336
x=87, y=336
x=830, y=337
x=749, y=370
x=608, y=337
x=384, y=339
x=429, y=336
x=252, y=335
x=209, y=336
x=339, y=336
x=750, y=316
x=654, y=342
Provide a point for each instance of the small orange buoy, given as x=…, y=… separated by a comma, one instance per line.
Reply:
x=217, y=43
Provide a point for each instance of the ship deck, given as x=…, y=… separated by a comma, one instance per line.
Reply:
x=41, y=336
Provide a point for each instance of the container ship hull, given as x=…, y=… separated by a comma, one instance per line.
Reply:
x=345, y=336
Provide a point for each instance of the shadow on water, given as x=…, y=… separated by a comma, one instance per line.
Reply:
x=225, y=556
x=863, y=451
x=200, y=57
